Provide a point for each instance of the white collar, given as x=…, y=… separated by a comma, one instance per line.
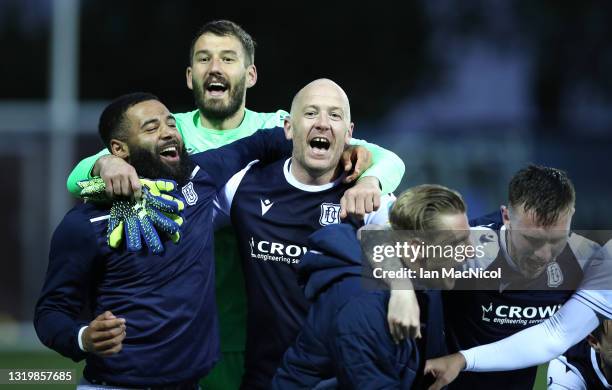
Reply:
x=307, y=187
x=504, y=248
x=600, y=374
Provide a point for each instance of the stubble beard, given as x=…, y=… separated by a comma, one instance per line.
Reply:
x=215, y=109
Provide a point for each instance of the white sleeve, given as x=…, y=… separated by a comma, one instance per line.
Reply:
x=537, y=344
x=598, y=268
x=222, y=204
x=563, y=376
x=79, y=336
x=380, y=216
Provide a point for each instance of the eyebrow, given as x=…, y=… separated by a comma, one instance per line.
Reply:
x=546, y=238
x=328, y=108
x=155, y=120
x=206, y=51
x=145, y=123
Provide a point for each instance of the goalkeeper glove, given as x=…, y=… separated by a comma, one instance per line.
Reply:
x=93, y=189
x=136, y=218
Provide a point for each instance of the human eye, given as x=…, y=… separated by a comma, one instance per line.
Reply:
x=336, y=115
x=310, y=114
x=229, y=59
x=533, y=241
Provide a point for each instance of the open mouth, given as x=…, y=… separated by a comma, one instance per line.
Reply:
x=320, y=143
x=169, y=153
x=216, y=88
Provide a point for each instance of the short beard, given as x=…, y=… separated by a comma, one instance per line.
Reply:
x=216, y=110
x=150, y=166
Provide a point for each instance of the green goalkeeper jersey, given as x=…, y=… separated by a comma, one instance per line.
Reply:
x=231, y=299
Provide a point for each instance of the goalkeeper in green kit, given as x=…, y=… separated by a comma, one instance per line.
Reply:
x=221, y=70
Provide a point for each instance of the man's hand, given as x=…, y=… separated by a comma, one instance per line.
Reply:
x=362, y=198
x=444, y=369
x=358, y=157
x=403, y=315
x=104, y=335
x=120, y=177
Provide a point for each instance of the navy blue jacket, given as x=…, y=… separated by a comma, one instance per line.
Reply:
x=346, y=335
x=168, y=300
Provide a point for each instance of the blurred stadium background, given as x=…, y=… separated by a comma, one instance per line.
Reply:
x=466, y=92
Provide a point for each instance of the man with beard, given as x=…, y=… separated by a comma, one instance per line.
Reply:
x=221, y=69
x=156, y=311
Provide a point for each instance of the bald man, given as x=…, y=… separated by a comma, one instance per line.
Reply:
x=320, y=127
x=274, y=208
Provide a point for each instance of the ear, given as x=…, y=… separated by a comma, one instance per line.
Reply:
x=119, y=148
x=251, y=75
x=593, y=342
x=349, y=134
x=288, y=128
x=505, y=215
x=188, y=77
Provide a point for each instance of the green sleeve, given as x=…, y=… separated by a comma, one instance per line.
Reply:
x=387, y=167
x=83, y=172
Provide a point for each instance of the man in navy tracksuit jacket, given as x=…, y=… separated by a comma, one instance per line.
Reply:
x=345, y=341
x=170, y=336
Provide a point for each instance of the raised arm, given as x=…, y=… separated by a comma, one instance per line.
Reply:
x=387, y=167
x=403, y=314
x=83, y=171
x=264, y=145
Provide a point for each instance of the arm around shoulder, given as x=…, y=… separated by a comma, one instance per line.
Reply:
x=387, y=167
x=264, y=145
x=83, y=171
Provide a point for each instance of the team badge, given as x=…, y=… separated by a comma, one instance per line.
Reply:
x=191, y=197
x=330, y=214
x=555, y=275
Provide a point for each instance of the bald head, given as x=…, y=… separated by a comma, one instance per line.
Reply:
x=322, y=88
x=320, y=127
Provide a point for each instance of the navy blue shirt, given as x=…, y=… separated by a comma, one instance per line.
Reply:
x=168, y=300
x=509, y=305
x=577, y=369
x=273, y=215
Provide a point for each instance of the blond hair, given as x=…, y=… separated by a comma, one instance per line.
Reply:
x=419, y=208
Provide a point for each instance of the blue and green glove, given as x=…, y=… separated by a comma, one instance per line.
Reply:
x=157, y=210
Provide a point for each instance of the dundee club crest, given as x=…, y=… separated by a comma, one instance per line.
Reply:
x=330, y=214
x=191, y=197
x=554, y=274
